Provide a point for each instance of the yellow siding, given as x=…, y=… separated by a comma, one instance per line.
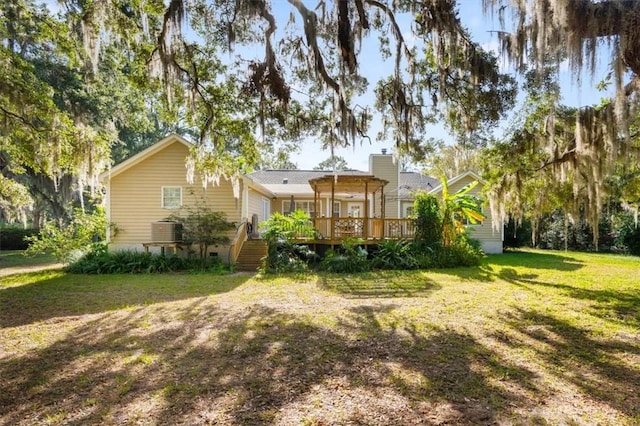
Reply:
x=136, y=195
x=484, y=231
x=255, y=205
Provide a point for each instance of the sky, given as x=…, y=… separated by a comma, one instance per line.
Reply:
x=371, y=66
x=480, y=27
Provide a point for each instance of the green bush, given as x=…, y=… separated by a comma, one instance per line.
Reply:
x=68, y=243
x=462, y=252
x=100, y=261
x=517, y=235
x=428, y=219
x=205, y=227
x=280, y=232
x=395, y=254
x=14, y=238
x=350, y=258
x=629, y=237
x=284, y=256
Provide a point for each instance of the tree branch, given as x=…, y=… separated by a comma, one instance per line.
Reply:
x=397, y=33
x=20, y=118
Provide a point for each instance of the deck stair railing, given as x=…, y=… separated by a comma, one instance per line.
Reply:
x=238, y=240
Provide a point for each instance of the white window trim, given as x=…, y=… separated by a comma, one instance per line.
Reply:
x=162, y=200
x=266, y=208
x=333, y=211
x=309, y=204
x=405, y=210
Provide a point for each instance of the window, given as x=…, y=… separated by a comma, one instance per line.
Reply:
x=306, y=206
x=408, y=211
x=171, y=197
x=336, y=209
x=266, y=209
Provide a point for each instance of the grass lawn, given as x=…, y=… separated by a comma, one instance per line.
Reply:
x=15, y=261
x=526, y=338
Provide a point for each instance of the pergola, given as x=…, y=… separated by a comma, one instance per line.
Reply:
x=349, y=184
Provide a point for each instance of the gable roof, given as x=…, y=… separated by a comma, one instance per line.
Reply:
x=410, y=182
x=455, y=179
x=144, y=154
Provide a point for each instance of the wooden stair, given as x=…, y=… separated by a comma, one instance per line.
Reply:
x=250, y=255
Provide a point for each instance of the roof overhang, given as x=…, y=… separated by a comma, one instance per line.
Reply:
x=251, y=183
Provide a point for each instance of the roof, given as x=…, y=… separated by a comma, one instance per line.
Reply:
x=410, y=182
x=144, y=154
x=274, y=177
x=297, y=181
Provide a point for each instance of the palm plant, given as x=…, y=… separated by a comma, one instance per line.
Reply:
x=457, y=209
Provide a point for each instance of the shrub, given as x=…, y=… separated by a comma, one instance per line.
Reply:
x=283, y=255
x=350, y=258
x=205, y=227
x=552, y=235
x=395, y=254
x=100, y=261
x=629, y=236
x=462, y=252
x=14, y=238
x=71, y=241
x=517, y=235
x=428, y=219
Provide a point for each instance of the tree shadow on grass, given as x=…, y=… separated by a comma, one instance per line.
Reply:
x=379, y=284
x=608, y=304
x=46, y=295
x=537, y=260
x=600, y=368
x=492, y=266
x=206, y=365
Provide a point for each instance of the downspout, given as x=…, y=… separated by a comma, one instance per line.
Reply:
x=108, y=209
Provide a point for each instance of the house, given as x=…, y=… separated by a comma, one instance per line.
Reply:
x=149, y=187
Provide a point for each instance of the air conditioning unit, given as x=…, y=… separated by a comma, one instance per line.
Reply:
x=166, y=231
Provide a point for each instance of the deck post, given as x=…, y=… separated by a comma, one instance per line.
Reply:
x=366, y=211
x=315, y=204
x=333, y=193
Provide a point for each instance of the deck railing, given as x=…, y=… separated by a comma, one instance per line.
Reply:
x=373, y=228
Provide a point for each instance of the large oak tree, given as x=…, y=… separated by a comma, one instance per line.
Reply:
x=294, y=69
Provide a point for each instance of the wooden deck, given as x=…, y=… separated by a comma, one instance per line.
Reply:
x=338, y=228
x=333, y=230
